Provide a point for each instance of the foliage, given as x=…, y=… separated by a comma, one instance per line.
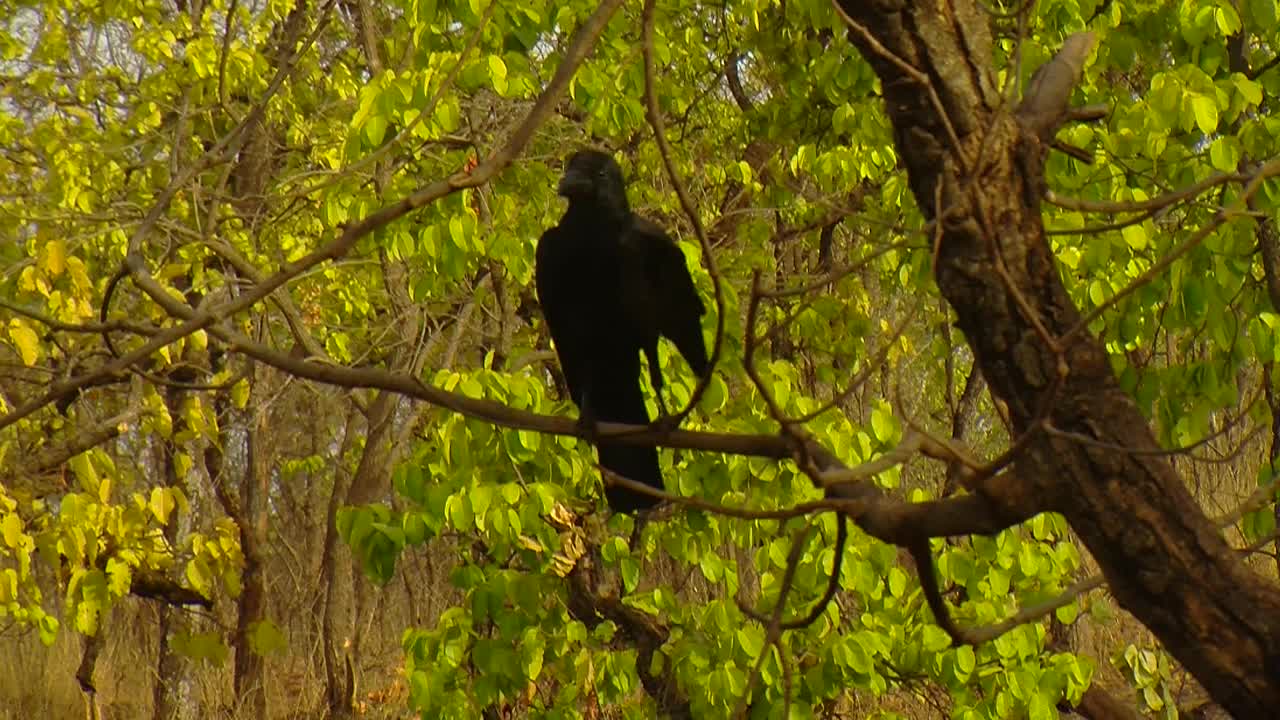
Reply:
x=1152, y=676
x=98, y=546
x=780, y=136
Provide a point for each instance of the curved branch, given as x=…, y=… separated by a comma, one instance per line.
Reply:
x=654, y=115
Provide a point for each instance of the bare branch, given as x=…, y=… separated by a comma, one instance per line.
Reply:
x=1148, y=206
x=1044, y=106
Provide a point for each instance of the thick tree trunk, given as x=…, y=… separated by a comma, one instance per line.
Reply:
x=1089, y=454
x=1269, y=250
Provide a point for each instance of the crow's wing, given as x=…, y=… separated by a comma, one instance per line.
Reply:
x=660, y=291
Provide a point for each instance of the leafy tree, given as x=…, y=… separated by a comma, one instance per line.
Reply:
x=267, y=296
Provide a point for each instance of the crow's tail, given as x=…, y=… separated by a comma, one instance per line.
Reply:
x=622, y=400
x=634, y=463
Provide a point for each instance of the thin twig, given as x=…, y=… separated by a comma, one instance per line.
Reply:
x=654, y=115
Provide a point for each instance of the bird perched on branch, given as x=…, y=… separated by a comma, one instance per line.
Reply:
x=610, y=283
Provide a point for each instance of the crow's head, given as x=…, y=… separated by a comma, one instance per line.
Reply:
x=594, y=177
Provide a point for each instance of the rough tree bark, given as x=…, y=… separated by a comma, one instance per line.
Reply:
x=976, y=167
x=166, y=693
x=249, y=679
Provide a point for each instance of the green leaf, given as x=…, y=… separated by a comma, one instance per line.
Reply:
x=1097, y=292
x=458, y=510
x=1227, y=18
x=265, y=638
x=630, y=570
x=711, y=565
x=202, y=646
x=751, y=639
x=884, y=425
x=480, y=497
x=1029, y=560
x=716, y=395
x=1261, y=13
x=1041, y=708
x=897, y=582
x=498, y=74
x=1067, y=614
x=200, y=576
x=1250, y=90
x=1135, y=236
x=1151, y=696
x=415, y=528
x=1205, y=110
x=95, y=597
x=375, y=129
x=458, y=232
x=532, y=647
x=1194, y=299
x=856, y=656
x=53, y=257
x=935, y=638
x=1224, y=154
x=966, y=661
x=48, y=628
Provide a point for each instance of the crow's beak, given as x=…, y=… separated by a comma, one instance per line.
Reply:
x=573, y=183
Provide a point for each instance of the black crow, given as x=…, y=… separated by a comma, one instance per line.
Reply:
x=610, y=283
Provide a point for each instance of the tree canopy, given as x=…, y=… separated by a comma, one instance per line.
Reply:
x=992, y=302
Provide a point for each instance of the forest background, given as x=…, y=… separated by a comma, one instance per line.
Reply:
x=281, y=433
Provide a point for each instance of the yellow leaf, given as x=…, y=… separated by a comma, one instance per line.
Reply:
x=79, y=276
x=182, y=464
x=119, y=578
x=240, y=394
x=26, y=340
x=161, y=504
x=104, y=490
x=54, y=257
x=11, y=529
x=27, y=280
x=180, y=499
x=200, y=575
x=85, y=473
x=8, y=585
